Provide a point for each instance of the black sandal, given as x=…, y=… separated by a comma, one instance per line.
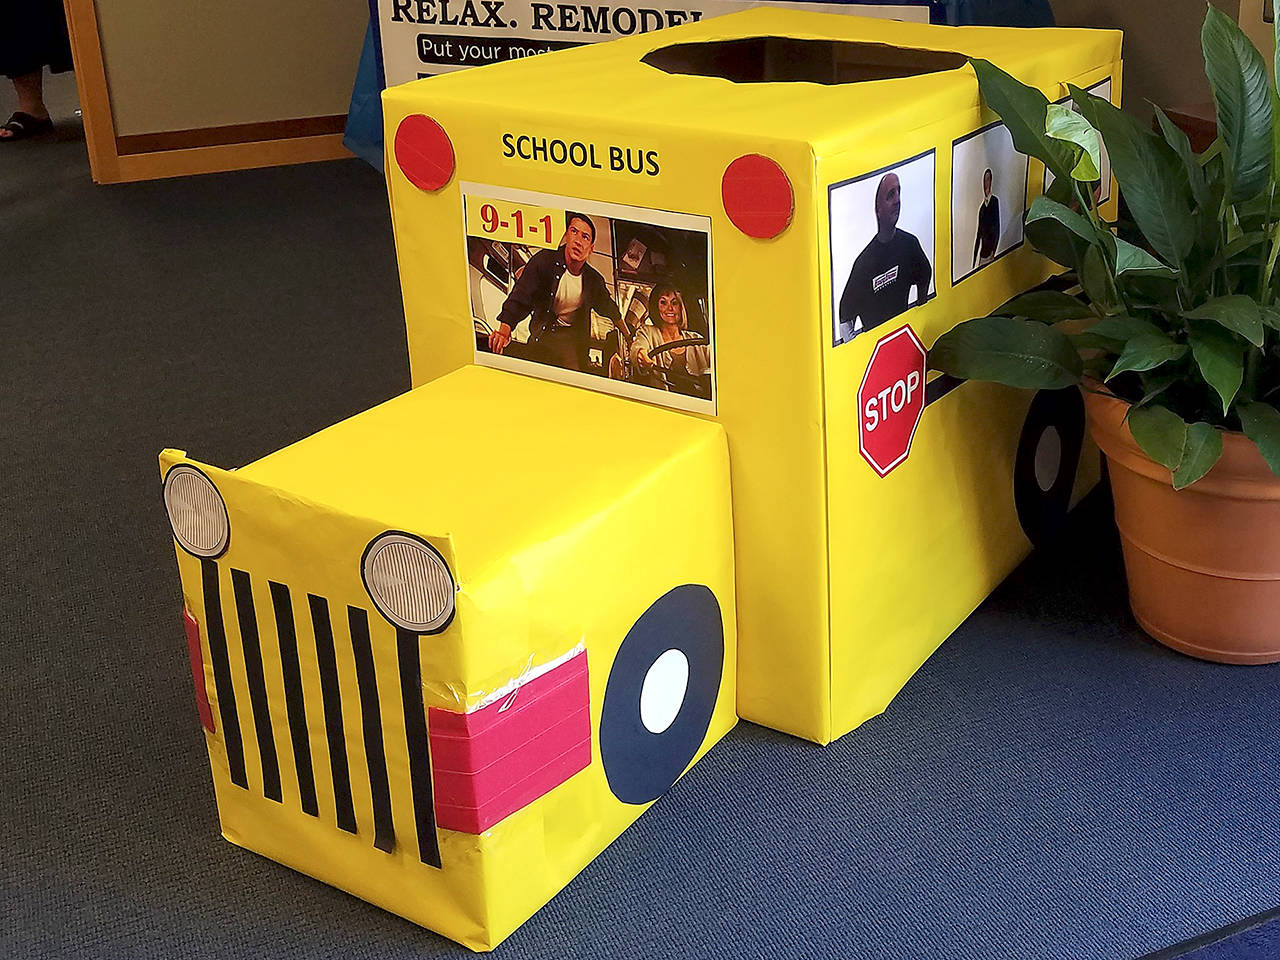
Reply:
x=22, y=126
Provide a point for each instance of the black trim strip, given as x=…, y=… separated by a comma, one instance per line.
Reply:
x=415, y=731
x=223, y=688
x=294, y=702
x=252, y=647
x=939, y=387
x=332, y=697
x=384, y=832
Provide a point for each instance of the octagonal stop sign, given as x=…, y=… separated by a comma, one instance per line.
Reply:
x=891, y=399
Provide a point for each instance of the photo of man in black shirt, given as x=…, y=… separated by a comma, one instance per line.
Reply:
x=988, y=236
x=887, y=271
x=988, y=199
x=557, y=290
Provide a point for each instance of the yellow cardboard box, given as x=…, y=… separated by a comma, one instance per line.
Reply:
x=442, y=659
x=815, y=189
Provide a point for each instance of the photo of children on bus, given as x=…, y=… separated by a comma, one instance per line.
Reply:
x=623, y=300
x=881, y=246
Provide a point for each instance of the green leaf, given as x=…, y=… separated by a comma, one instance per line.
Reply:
x=1244, y=251
x=1057, y=243
x=1237, y=313
x=1008, y=350
x=1181, y=145
x=1242, y=244
x=1131, y=259
x=1063, y=123
x=1275, y=16
x=1242, y=96
x=1157, y=382
x=1095, y=367
x=1232, y=223
x=1275, y=96
x=1151, y=291
x=1123, y=327
x=1042, y=208
x=1095, y=278
x=1220, y=357
x=1047, y=306
x=1057, y=231
x=1024, y=111
x=1261, y=423
x=1275, y=130
x=1210, y=153
x=1215, y=174
x=1091, y=341
x=1271, y=315
x=1160, y=433
x=1150, y=176
x=1146, y=353
x=1201, y=452
x=1257, y=207
x=1061, y=190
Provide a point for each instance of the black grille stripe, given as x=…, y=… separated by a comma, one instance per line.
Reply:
x=222, y=673
x=415, y=729
x=257, y=684
x=410, y=677
x=332, y=696
x=384, y=834
x=294, y=702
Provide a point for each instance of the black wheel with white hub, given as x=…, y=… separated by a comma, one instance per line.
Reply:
x=1044, y=470
x=661, y=693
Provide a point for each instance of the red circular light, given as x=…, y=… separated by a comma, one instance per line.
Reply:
x=423, y=152
x=757, y=196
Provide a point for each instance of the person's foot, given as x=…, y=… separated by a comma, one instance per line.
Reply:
x=23, y=125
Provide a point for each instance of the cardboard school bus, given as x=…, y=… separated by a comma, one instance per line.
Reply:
x=672, y=452
x=828, y=195
x=443, y=708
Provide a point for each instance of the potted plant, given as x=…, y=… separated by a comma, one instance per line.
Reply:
x=1174, y=337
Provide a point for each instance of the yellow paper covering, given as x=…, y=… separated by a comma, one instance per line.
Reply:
x=846, y=581
x=552, y=544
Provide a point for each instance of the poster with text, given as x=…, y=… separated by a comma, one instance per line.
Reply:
x=597, y=295
x=988, y=199
x=421, y=38
x=882, y=245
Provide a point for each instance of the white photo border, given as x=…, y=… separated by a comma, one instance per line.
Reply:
x=696, y=223
x=833, y=317
x=1026, y=180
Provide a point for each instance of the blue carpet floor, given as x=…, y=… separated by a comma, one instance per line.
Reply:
x=1050, y=785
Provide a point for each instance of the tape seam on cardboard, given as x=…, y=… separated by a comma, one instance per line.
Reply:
x=821, y=332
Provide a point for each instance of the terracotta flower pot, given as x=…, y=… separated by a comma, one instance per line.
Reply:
x=1203, y=562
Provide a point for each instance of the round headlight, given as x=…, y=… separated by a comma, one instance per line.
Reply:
x=409, y=582
x=196, y=512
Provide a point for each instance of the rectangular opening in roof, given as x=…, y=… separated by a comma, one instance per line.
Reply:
x=795, y=60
